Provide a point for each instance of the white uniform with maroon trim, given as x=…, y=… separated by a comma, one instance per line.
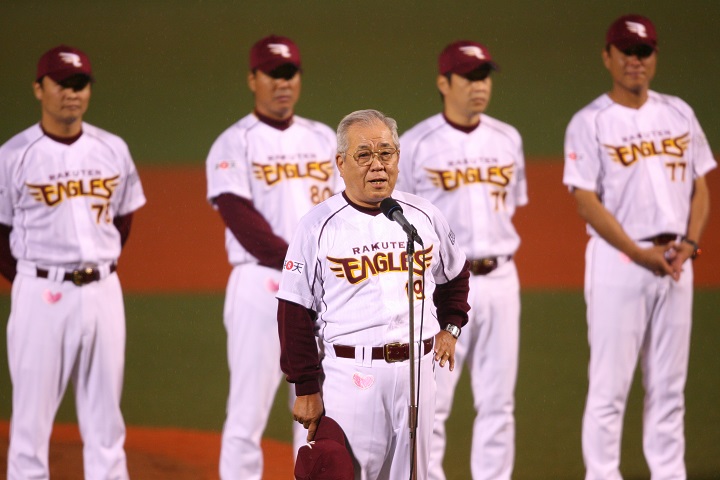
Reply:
x=60, y=201
x=477, y=180
x=642, y=163
x=347, y=266
x=284, y=173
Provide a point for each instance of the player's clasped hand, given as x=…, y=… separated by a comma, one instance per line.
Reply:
x=663, y=260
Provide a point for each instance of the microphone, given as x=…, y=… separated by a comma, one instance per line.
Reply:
x=392, y=210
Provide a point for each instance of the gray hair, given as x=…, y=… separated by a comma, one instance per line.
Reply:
x=365, y=118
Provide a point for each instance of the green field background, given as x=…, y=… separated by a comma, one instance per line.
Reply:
x=171, y=76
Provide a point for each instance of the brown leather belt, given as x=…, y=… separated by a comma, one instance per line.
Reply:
x=390, y=352
x=483, y=266
x=662, y=239
x=79, y=277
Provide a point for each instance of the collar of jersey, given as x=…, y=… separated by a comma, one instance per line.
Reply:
x=462, y=128
x=276, y=124
x=361, y=209
x=63, y=140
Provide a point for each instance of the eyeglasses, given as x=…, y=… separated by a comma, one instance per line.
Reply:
x=364, y=157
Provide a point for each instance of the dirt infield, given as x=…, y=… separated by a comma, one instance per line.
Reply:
x=154, y=454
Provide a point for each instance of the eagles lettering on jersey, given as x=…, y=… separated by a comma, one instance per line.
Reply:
x=52, y=194
x=448, y=180
x=276, y=172
x=359, y=269
x=632, y=152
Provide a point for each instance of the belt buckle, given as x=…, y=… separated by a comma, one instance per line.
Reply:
x=79, y=277
x=387, y=355
x=490, y=262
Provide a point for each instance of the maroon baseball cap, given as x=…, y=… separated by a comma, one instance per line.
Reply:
x=62, y=62
x=630, y=31
x=326, y=457
x=272, y=52
x=463, y=57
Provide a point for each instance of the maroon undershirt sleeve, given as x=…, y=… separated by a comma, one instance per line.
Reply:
x=299, y=358
x=252, y=230
x=8, y=264
x=451, y=299
x=123, y=224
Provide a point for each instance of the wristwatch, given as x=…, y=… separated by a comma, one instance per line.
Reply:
x=697, y=251
x=453, y=330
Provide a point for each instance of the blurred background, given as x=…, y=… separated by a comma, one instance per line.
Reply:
x=171, y=76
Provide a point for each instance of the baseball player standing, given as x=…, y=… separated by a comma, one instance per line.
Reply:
x=471, y=166
x=346, y=267
x=263, y=174
x=635, y=162
x=67, y=194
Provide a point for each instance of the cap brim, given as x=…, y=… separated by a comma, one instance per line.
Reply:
x=268, y=67
x=64, y=75
x=630, y=43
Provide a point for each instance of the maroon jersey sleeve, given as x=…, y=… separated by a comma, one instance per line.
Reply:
x=252, y=230
x=299, y=358
x=451, y=299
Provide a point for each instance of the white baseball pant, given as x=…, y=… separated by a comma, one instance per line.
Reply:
x=489, y=346
x=59, y=332
x=632, y=313
x=370, y=399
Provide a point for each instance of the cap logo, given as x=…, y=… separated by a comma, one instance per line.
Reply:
x=279, y=49
x=473, y=51
x=637, y=28
x=71, y=58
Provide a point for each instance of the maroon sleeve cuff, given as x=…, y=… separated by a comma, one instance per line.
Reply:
x=451, y=299
x=8, y=264
x=299, y=358
x=123, y=224
x=252, y=230
x=307, y=388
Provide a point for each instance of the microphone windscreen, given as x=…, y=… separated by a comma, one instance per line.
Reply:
x=389, y=206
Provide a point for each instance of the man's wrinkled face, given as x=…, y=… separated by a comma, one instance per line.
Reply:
x=368, y=185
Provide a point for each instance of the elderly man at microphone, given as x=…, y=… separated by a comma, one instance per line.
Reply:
x=347, y=281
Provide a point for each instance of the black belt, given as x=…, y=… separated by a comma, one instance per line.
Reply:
x=390, y=352
x=483, y=266
x=79, y=277
x=662, y=239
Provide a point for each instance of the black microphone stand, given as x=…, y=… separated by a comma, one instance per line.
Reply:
x=412, y=409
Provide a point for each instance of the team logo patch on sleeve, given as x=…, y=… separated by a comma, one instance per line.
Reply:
x=294, y=267
x=451, y=237
x=225, y=165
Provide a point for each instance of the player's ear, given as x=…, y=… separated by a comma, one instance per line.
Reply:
x=340, y=162
x=38, y=90
x=606, y=56
x=442, y=84
x=251, y=81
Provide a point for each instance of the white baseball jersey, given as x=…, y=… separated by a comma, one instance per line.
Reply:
x=478, y=176
x=349, y=267
x=642, y=162
x=61, y=199
x=283, y=172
